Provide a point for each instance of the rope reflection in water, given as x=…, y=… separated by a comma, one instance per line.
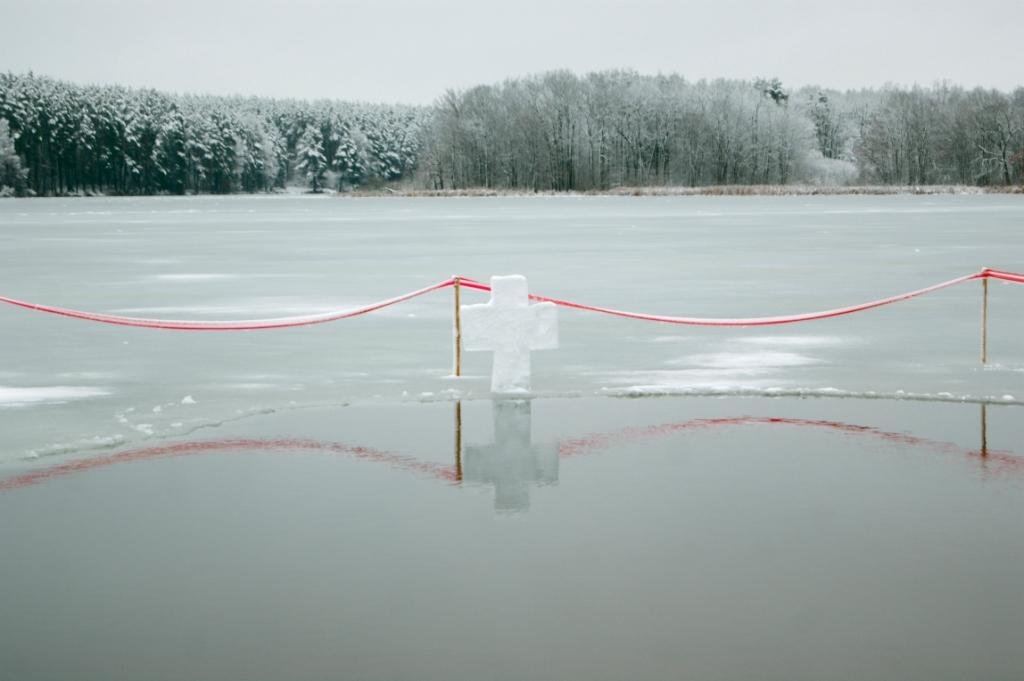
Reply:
x=512, y=462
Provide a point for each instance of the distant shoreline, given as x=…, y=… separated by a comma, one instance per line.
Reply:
x=717, y=190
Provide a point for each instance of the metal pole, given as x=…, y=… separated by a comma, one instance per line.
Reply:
x=984, y=320
x=458, y=329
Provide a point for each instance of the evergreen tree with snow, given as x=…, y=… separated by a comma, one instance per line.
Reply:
x=12, y=175
x=346, y=158
x=309, y=157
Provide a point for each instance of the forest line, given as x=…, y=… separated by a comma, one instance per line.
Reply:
x=556, y=131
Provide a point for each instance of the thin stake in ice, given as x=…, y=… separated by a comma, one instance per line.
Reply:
x=510, y=327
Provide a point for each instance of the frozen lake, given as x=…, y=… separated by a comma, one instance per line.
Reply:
x=838, y=499
x=67, y=384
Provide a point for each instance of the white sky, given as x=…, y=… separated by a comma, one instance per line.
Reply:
x=408, y=51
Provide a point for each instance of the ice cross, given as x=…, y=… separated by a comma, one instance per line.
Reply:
x=510, y=327
x=512, y=462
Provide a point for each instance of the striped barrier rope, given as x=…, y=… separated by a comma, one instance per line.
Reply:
x=306, y=320
x=767, y=321
x=239, y=325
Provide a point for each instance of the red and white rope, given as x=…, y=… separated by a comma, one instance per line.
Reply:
x=306, y=320
x=239, y=325
x=768, y=321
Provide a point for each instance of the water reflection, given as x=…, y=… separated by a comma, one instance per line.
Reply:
x=511, y=463
x=983, y=452
x=242, y=445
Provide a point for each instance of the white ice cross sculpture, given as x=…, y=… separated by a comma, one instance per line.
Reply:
x=510, y=327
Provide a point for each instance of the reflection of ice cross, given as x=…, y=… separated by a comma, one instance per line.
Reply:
x=510, y=327
x=512, y=463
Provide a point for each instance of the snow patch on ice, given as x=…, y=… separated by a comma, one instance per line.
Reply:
x=188, y=399
x=697, y=379
x=671, y=339
x=794, y=341
x=58, y=394
x=783, y=391
x=745, y=360
x=996, y=367
x=197, y=276
x=254, y=308
x=252, y=385
x=97, y=442
x=89, y=375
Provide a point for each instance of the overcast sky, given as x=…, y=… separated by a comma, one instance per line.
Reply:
x=405, y=51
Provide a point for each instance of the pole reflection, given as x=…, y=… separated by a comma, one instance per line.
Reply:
x=983, y=452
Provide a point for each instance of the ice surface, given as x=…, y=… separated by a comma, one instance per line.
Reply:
x=510, y=327
x=713, y=256
x=250, y=307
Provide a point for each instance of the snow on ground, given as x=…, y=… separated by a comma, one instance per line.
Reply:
x=16, y=397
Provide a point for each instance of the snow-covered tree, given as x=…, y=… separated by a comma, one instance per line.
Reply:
x=310, y=161
x=112, y=139
x=828, y=126
x=347, y=160
x=12, y=175
x=772, y=88
x=549, y=131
